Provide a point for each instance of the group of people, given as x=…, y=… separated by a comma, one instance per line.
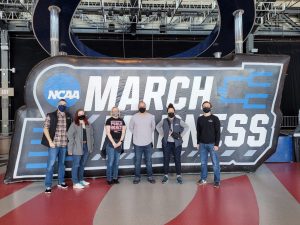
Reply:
x=62, y=134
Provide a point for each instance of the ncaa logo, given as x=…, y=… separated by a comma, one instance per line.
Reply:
x=62, y=86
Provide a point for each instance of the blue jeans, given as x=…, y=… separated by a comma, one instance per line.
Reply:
x=170, y=148
x=204, y=150
x=78, y=165
x=138, y=152
x=60, y=154
x=112, y=163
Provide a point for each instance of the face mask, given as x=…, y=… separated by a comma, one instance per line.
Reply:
x=82, y=117
x=206, y=109
x=171, y=115
x=115, y=114
x=142, y=110
x=62, y=108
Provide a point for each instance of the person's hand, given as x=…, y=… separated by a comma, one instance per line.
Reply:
x=70, y=152
x=216, y=148
x=198, y=145
x=115, y=145
x=119, y=144
x=51, y=144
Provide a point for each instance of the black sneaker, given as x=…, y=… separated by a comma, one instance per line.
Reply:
x=48, y=190
x=109, y=182
x=179, y=180
x=216, y=184
x=136, y=181
x=165, y=180
x=151, y=180
x=116, y=181
x=62, y=185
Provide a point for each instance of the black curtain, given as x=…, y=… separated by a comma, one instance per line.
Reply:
x=290, y=103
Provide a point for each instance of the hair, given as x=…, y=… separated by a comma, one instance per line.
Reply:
x=142, y=101
x=115, y=107
x=62, y=100
x=208, y=103
x=76, y=119
x=170, y=106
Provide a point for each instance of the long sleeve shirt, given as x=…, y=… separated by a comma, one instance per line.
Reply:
x=142, y=126
x=208, y=130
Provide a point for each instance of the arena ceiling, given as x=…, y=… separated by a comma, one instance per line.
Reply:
x=172, y=17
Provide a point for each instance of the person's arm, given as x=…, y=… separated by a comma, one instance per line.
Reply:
x=185, y=127
x=198, y=127
x=46, y=131
x=122, y=136
x=131, y=124
x=159, y=128
x=108, y=134
x=71, y=138
x=92, y=137
x=153, y=123
x=217, y=126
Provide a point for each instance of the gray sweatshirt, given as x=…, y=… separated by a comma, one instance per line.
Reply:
x=142, y=126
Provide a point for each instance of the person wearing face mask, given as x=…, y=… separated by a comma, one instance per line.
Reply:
x=54, y=137
x=208, y=138
x=80, y=145
x=172, y=129
x=142, y=126
x=115, y=131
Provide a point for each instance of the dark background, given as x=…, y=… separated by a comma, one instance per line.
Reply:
x=26, y=53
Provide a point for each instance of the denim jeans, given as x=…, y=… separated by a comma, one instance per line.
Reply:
x=170, y=148
x=138, y=152
x=78, y=165
x=60, y=154
x=112, y=163
x=204, y=150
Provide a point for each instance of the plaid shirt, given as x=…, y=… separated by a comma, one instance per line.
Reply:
x=60, y=138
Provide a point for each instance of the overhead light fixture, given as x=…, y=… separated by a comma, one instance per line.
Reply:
x=159, y=13
x=169, y=13
x=111, y=27
x=162, y=28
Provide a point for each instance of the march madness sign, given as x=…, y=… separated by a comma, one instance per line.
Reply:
x=245, y=92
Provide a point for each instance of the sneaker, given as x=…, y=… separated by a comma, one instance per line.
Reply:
x=179, y=180
x=109, y=182
x=78, y=186
x=216, y=184
x=202, y=182
x=116, y=181
x=136, y=180
x=62, y=185
x=151, y=180
x=165, y=179
x=84, y=183
x=48, y=190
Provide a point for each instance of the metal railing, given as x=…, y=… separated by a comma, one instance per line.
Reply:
x=289, y=122
x=6, y=129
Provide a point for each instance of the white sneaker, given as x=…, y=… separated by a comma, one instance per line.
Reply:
x=78, y=186
x=84, y=183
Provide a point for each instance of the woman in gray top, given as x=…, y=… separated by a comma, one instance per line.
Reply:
x=172, y=129
x=81, y=142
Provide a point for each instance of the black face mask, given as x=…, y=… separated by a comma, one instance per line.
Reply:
x=62, y=108
x=82, y=117
x=171, y=115
x=142, y=110
x=206, y=109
